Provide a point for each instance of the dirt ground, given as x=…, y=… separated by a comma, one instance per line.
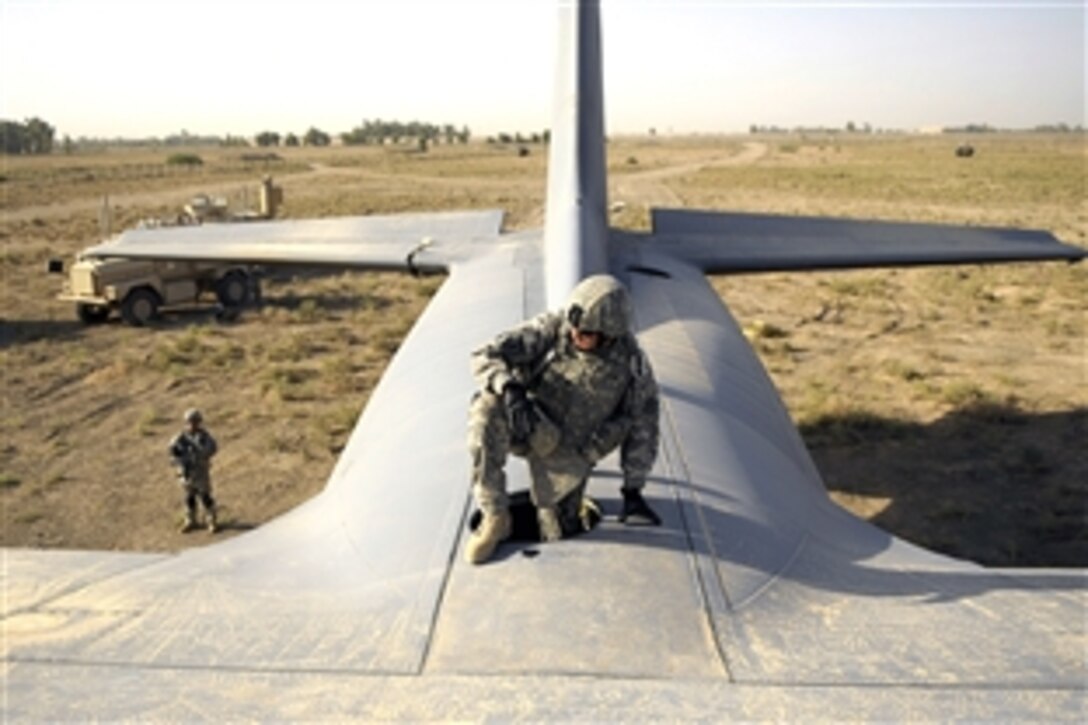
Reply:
x=946, y=405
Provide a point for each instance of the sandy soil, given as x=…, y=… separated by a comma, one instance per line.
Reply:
x=946, y=405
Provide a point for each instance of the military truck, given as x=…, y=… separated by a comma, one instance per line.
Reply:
x=138, y=289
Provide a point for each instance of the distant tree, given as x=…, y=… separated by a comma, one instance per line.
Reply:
x=234, y=141
x=547, y=135
x=290, y=140
x=506, y=138
x=850, y=127
x=67, y=145
x=653, y=131
x=12, y=136
x=268, y=138
x=39, y=136
x=464, y=134
x=34, y=136
x=316, y=137
x=536, y=138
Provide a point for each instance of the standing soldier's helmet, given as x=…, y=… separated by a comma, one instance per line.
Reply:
x=193, y=416
x=600, y=304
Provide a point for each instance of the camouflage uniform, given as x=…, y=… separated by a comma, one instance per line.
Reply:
x=598, y=401
x=192, y=451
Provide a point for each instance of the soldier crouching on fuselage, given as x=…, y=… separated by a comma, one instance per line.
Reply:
x=192, y=451
x=562, y=390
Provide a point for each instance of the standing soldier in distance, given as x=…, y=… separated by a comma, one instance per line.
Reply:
x=192, y=450
x=563, y=390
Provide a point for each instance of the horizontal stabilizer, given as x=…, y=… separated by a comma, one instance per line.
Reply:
x=402, y=241
x=727, y=242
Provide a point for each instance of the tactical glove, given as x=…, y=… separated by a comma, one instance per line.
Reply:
x=519, y=412
x=636, y=512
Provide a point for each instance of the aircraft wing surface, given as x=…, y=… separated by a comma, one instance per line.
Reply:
x=757, y=598
x=362, y=242
x=718, y=242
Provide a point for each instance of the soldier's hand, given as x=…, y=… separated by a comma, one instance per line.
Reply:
x=519, y=412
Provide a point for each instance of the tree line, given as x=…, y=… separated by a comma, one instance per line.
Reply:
x=34, y=136
x=313, y=137
x=380, y=132
x=519, y=138
x=866, y=128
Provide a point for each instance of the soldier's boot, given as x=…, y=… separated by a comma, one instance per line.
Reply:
x=548, y=518
x=189, y=524
x=213, y=522
x=492, y=531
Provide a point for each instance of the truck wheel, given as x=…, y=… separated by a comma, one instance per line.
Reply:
x=232, y=289
x=255, y=293
x=92, y=314
x=140, y=306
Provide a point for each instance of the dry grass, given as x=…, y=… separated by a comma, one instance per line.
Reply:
x=946, y=404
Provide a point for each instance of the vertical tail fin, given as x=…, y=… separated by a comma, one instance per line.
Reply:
x=576, y=222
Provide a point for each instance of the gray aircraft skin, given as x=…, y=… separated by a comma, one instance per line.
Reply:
x=757, y=598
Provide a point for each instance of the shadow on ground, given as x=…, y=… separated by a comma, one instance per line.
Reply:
x=988, y=483
x=15, y=332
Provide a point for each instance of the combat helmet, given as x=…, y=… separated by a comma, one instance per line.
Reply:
x=192, y=415
x=600, y=304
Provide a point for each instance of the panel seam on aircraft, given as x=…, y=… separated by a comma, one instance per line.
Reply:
x=436, y=610
x=674, y=459
x=559, y=675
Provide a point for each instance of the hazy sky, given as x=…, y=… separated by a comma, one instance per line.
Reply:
x=115, y=68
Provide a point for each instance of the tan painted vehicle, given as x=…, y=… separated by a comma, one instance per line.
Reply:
x=139, y=289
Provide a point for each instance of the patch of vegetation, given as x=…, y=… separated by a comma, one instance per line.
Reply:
x=150, y=422
x=293, y=348
x=309, y=310
x=7, y=481
x=227, y=354
x=760, y=330
x=903, y=371
x=963, y=394
x=184, y=159
x=852, y=428
x=176, y=353
x=859, y=286
x=288, y=383
x=337, y=372
x=335, y=426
